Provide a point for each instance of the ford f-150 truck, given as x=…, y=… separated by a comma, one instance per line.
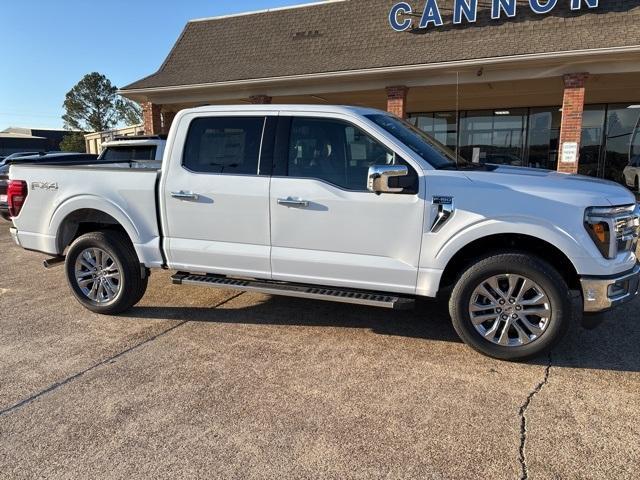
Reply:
x=343, y=204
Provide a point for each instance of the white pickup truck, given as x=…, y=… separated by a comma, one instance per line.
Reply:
x=343, y=204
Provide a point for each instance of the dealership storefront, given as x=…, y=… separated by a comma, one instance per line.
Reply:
x=542, y=83
x=530, y=136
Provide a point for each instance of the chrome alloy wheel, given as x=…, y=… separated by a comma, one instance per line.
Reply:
x=510, y=310
x=97, y=275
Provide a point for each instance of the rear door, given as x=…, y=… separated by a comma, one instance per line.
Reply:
x=326, y=227
x=216, y=200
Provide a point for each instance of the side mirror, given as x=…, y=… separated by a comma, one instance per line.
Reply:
x=379, y=175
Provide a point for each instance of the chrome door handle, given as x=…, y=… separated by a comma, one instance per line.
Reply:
x=293, y=202
x=182, y=195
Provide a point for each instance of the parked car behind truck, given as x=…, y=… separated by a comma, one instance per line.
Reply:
x=144, y=151
x=342, y=204
x=632, y=173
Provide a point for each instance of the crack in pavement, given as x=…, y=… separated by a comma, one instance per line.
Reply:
x=523, y=420
x=106, y=361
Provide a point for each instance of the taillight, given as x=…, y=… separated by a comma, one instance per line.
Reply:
x=16, y=195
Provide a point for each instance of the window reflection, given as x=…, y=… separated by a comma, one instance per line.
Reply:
x=530, y=136
x=621, y=140
x=542, y=137
x=440, y=125
x=591, y=140
x=490, y=136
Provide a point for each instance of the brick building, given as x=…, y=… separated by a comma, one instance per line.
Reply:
x=542, y=80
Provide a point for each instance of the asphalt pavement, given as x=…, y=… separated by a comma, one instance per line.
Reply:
x=201, y=383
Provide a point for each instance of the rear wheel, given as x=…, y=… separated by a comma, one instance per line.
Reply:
x=104, y=273
x=511, y=306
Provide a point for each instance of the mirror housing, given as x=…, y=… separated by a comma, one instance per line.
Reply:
x=379, y=175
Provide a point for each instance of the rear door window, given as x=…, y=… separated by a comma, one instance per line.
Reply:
x=224, y=145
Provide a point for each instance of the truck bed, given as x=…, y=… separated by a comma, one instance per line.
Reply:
x=123, y=191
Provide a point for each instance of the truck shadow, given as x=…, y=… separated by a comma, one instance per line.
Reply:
x=613, y=345
x=431, y=324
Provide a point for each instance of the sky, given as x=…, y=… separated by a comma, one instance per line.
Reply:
x=48, y=46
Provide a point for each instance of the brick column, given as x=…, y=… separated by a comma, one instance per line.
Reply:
x=260, y=99
x=397, y=101
x=572, y=108
x=167, y=120
x=152, y=115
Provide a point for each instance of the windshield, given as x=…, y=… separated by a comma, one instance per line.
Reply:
x=431, y=150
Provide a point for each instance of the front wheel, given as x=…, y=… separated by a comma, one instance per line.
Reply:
x=104, y=273
x=511, y=306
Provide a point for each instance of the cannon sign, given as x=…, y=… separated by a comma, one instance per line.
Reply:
x=402, y=13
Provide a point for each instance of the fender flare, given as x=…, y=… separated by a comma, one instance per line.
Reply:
x=91, y=202
x=535, y=228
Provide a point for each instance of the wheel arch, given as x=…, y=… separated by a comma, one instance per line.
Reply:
x=83, y=215
x=517, y=242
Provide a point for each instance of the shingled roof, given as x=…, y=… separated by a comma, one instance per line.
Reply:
x=355, y=34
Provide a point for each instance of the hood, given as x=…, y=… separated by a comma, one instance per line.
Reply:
x=577, y=190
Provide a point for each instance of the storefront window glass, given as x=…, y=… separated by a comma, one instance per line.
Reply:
x=445, y=128
x=530, y=136
x=543, y=137
x=591, y=140
x=440, y=125
x=635, y=141
x=620, y=140
x=490, y=136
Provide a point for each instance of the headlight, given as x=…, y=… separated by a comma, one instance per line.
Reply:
x=614, y=230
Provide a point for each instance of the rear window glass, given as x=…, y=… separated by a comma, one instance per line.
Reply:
x=130, y=153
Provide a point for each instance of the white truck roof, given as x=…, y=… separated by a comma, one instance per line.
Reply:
x=133, y=142
x=345, y=109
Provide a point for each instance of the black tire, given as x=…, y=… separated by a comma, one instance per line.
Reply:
x=132, y=285
x=144, y=282
x=516, y=264
x=637, y=185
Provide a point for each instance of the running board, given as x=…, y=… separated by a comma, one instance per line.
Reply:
x=331, y=294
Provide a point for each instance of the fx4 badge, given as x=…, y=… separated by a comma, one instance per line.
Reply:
x=48, y=186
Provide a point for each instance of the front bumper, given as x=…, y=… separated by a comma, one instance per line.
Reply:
x=604, y=293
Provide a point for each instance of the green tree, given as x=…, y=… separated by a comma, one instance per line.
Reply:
x=73, y=142
x=93, y=104
x=129, y=113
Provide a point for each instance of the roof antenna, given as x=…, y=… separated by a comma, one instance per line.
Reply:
x=457, y=113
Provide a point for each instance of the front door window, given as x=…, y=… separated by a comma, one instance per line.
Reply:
x=338, y=153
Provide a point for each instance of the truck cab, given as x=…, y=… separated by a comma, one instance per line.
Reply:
x=341, y=204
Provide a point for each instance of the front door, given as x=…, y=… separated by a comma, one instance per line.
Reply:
x=216, y=214
x=326, y=227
